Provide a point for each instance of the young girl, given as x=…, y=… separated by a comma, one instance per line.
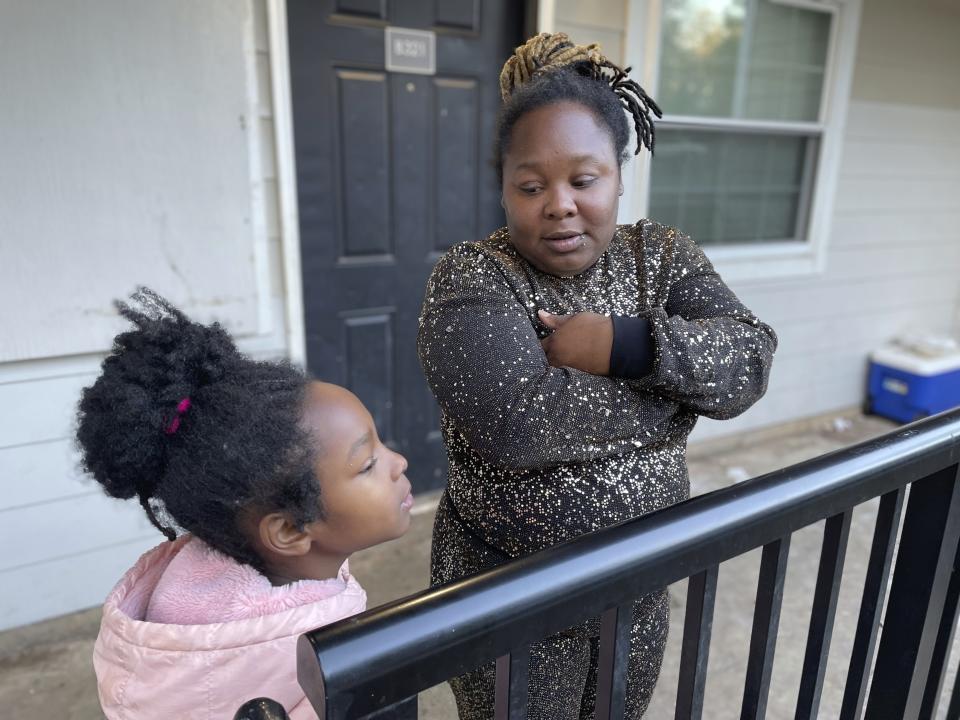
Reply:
x=263, y=481
x=571, y=358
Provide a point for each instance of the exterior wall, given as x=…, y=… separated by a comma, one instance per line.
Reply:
x=63, y=544
x=893, y=260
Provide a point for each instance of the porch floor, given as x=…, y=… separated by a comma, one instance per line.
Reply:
x=45, y=669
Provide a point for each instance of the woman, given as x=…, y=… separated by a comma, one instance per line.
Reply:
x=571, y=358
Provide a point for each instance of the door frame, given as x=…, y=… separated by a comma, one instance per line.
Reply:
x=289, y=219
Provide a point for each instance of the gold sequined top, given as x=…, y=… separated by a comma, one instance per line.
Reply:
x=540, y=454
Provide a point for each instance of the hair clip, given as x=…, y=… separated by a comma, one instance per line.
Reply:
x=182, y=407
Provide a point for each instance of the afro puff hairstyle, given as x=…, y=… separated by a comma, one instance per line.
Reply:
x=196, y=431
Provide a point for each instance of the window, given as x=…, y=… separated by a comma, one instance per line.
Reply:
x=754, y=97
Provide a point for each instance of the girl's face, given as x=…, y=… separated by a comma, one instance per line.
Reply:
x=561, y=188
x=363, y=487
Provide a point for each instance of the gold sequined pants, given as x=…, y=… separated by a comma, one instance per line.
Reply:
x=563, y=668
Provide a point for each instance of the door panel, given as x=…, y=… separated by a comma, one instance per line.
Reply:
x=392, y=170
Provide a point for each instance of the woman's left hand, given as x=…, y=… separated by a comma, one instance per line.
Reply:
x=582, y=341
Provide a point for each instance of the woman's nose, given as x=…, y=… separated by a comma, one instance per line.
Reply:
x=560, y=204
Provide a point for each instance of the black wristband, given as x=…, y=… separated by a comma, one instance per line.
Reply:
x=631, y=356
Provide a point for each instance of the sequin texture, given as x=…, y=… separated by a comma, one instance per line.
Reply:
x=539, y=455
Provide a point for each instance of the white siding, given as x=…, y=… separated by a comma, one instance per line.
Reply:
x=63, y=544
x=97, y=192
x=893, y=261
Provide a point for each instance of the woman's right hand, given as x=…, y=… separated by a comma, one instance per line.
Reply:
x=582, y=341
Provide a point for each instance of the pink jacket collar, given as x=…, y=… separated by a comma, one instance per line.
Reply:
x=226, y=635
x=201, y=586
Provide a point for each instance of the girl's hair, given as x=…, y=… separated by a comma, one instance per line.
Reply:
x=198, y=432
x=549, y=68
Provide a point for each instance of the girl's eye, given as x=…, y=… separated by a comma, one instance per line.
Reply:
x=369, y=466
x=583, y=182
x=529, y=189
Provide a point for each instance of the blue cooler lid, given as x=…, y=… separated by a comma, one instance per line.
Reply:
x=900, y=358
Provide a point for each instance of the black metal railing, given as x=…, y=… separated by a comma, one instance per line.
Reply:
x=378, y=661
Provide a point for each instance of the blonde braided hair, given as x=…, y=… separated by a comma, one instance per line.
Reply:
x=543, y=52
x=552, y=51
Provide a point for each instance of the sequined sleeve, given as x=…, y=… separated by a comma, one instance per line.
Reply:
x=483, y=361
x=713, y=355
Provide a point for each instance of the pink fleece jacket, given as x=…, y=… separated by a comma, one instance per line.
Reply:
x=190, y=633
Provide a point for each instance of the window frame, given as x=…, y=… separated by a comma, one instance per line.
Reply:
x=759, y=261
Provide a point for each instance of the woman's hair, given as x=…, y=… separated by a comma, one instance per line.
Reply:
x=198, y=432
x=549, y=68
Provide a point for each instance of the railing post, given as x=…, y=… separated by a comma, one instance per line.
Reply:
x=928, y=547
x=835, y=533
x=874, y=590
x=697, y=628
x=614, y=656
x=763, y=637
x=510, y=689
x=941, y=651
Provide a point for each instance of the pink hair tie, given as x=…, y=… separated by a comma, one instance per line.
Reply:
x=182, y=407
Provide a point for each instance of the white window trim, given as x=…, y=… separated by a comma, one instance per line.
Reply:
x=757, y=263
x=546, y=16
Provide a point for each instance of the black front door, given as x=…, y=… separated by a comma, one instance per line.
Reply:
x=392, y=169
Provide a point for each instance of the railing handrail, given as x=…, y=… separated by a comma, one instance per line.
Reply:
x=373, y=659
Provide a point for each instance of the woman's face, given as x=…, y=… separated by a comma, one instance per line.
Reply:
x=561, y=188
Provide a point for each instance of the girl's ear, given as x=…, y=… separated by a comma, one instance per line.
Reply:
x=282, y=537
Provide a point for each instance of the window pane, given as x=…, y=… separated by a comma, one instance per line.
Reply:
x=749, y=59
x=731, y=188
